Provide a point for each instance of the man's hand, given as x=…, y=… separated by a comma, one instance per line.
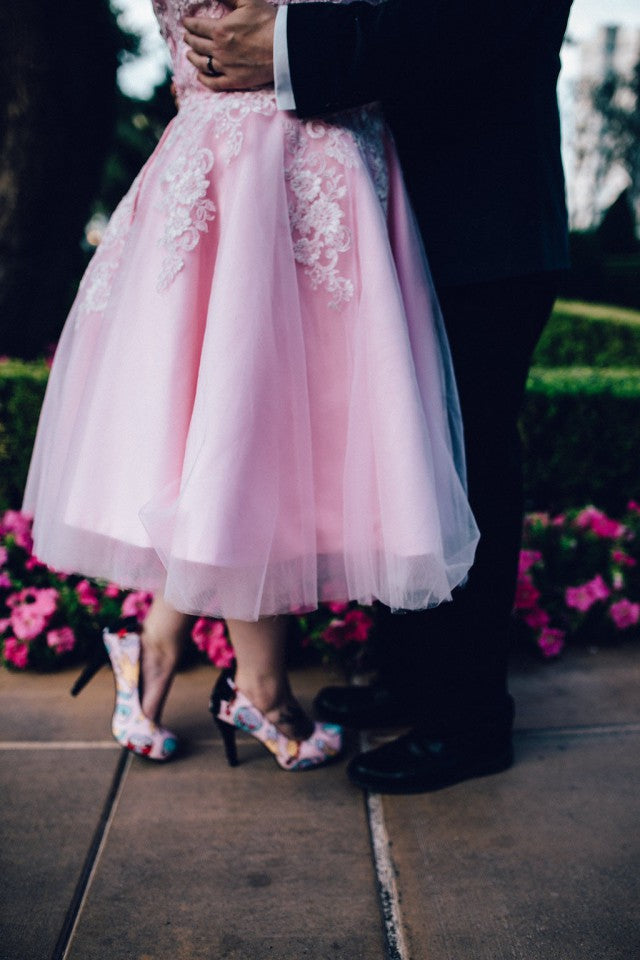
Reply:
x=239, y=47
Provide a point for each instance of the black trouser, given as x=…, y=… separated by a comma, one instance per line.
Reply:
x=451, y=662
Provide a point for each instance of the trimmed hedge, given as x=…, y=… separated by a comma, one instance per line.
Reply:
x=580, y=424
x=590, y=335
x=22, y=387
x=581, y=436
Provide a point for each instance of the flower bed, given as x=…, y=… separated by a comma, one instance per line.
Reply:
x=50, y=619
x=578, y=582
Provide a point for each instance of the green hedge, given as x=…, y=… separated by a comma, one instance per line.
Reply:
x=580, y=424
x=581, y=437
x=22, y=387
x=591, y=335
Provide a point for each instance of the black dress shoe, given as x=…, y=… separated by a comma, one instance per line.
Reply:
x=361, y=707
x=419, y=763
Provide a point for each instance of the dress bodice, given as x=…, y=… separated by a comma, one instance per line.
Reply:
x=170, y=13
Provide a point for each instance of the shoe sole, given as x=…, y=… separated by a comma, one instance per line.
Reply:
x=399, y=789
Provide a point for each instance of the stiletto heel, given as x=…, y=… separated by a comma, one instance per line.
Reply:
x=130, y=727
x=98, y=661
x=228, y=735
x=232, y=711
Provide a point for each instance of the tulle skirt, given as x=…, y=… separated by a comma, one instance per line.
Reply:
x=251, y=407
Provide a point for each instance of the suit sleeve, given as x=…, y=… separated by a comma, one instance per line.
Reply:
x=343, y=55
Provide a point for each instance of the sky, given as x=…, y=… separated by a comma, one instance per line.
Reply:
x=139, y=77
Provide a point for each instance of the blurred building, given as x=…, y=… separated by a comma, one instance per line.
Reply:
x=594, y=180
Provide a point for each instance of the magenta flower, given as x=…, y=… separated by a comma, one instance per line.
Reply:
x=210, y=636
x=624, y=614
x=338, y=606
x=527, y=559
x=32, y=563
x=536, y=618
x=357, y=626
x=633, y=506
x=559, y=520
x=27, y=621
x=137, y=605
x=62, y=640
x=18, y=525
x=88, y=596
x=599, y=523
x=527, y=594
x=5, y=581
x=584, y=596
x=4, y=556
x=111, y=590
x=551, y=641
x=16, y=653
x=619, y=556
x=334, y=634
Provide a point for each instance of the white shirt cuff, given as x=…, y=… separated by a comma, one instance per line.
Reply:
x=285, y=99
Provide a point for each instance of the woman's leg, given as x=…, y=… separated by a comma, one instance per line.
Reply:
x=164, y=632
x=262, y=676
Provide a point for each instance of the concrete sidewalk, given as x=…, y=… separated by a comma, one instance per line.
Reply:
x=104, y=856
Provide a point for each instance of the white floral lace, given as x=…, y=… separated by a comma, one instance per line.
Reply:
x=95, y=287
x=184, y=201
x=317, y=154
x=317, y=186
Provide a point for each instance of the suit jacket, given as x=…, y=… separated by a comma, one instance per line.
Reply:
x=469, y=90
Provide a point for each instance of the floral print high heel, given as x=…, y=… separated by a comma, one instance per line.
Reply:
x=131, y=728
x=233, y=711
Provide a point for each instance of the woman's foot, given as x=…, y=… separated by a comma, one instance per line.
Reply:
x=294, y=741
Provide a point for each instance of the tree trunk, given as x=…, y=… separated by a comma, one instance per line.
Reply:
x=57, y=100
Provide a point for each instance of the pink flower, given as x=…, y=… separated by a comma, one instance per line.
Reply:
x=137, y=604
x=584, y=596
x=559, y=520
x=4, y=556
x=338, y=606
x=334, y=634
x=527, y=594
x=527, y=559
x=44, y=600
x=633, y=506
x=210, y=637
x=617, y=580
x=357, y=626
x=32, y=563
x=551, y=641
x=111, y=590
x=619, y=556
x=88, y=596
x=61, y=640
x=19, y=526
x=27, y=622
x=599, y=523
x=5, y=582
x=4, y=624
x=16, y=653
x=624, y=613
x=536, y=618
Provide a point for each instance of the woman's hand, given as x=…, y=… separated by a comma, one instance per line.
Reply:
x=239, y=48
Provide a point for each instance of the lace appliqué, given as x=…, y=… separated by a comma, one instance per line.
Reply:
x=95, y=287
x=316, y=210
x=185, y=203
x=186, y=207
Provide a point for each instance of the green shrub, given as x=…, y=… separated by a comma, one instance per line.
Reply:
x=22, y=387
x=581, y=436
x=590, y=335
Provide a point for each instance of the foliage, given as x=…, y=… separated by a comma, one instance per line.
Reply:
x=590, y=335
x=580, y=437
x=579, y=578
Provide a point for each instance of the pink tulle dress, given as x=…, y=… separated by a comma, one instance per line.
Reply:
x=252, y=408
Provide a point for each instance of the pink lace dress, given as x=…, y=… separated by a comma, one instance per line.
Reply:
x=251, y=407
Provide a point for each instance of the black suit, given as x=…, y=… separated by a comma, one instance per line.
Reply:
x=469, y=89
